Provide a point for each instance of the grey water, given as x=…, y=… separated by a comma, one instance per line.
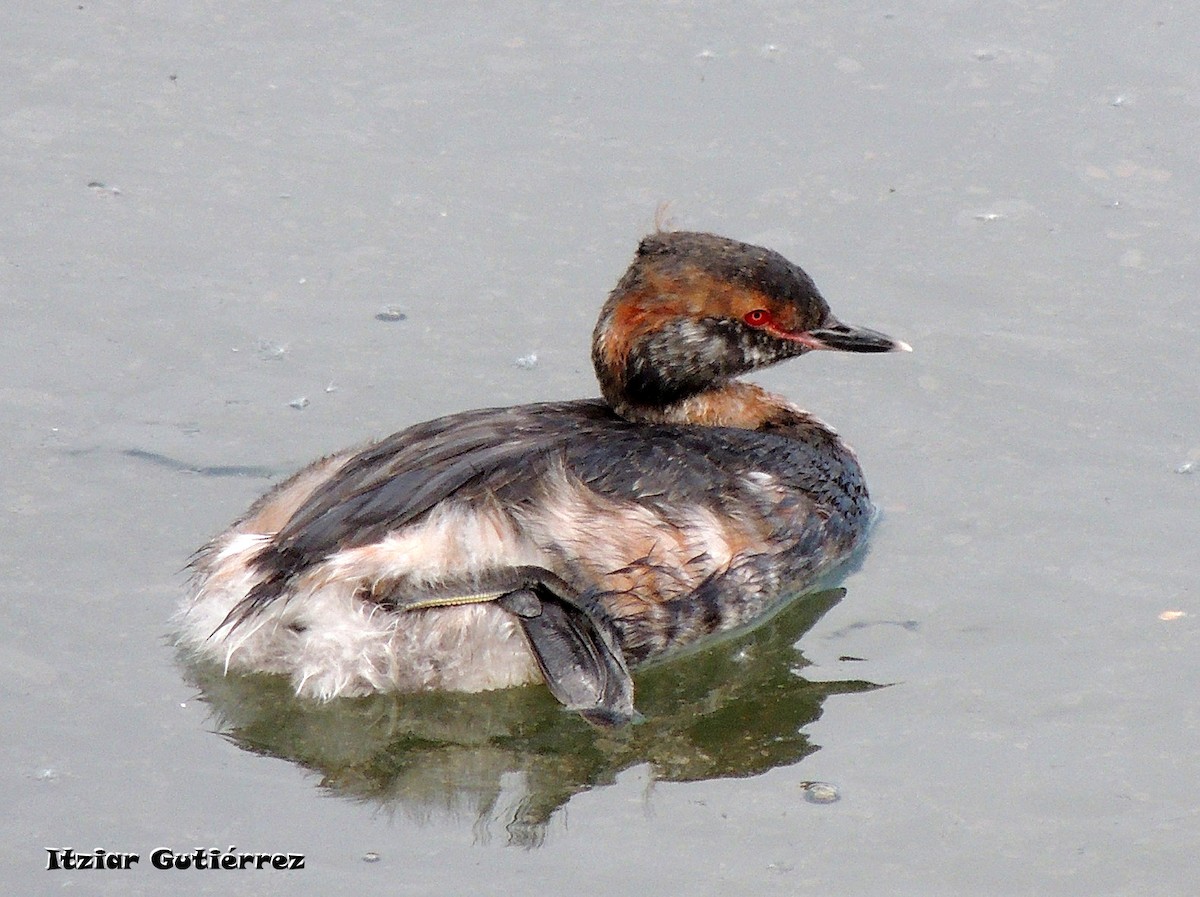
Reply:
x=237, y=237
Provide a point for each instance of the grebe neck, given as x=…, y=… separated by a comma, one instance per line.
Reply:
x=732, y=404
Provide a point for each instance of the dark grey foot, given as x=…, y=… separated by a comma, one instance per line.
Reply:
x=577, y=654
x=575, y=647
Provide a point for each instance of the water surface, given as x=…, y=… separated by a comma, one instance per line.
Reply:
x=208, y=210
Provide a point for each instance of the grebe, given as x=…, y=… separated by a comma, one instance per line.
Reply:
x=566, y=541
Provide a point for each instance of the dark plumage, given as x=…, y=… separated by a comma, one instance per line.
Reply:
x=585, y=535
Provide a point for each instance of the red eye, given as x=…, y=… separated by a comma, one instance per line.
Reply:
x=757, y=318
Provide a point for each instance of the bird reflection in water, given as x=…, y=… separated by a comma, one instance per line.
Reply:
x=508, y=760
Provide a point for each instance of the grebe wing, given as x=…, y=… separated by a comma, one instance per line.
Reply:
x=403, y=476
x=391, y=483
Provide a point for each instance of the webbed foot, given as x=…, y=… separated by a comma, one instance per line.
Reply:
x=575, y=647
x=577, y=654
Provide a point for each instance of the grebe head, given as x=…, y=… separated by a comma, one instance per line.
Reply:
x=696, y=310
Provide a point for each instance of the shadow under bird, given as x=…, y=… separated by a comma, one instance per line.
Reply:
x=562, y=542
